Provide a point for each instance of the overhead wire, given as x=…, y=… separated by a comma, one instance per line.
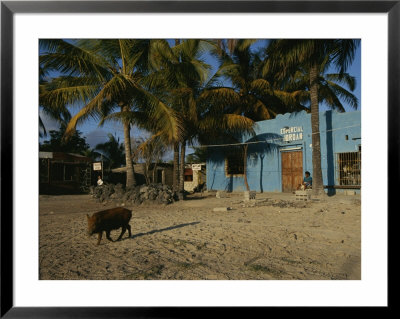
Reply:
x=274, y=139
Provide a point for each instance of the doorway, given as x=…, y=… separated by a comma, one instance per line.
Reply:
x=292, y=170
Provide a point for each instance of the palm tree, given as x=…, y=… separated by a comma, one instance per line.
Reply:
x=59, y=113
x=253, y=93
x=176, y=170
x=56, y=143
x=180, y=68
x=112, y=150
x=106, y=75
x=314, y=57
x=198, y=156
x=151, y=151
x=202, y=106
x=333, y=88
x=92, y=154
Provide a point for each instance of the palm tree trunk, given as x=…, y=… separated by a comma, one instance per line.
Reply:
x=154, y=173
x=146, y=173
x=130, y=174
x=182, y=172
x=245, y=167
x=317, y=185
x=175, y=177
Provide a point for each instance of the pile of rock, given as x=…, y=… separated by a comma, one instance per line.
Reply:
x=275, y=203
x=153, y=193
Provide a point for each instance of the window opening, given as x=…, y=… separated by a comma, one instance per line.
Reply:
x=57, y=172
x=349, y=166
x=188, y=175
x=235, y=161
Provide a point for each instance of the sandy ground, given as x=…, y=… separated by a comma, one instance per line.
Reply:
x=271, y=237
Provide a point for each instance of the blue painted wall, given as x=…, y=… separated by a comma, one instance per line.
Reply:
x=264, y=159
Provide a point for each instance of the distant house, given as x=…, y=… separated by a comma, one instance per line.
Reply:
x=161, y=173
x=281, y=152
x=195, y=175
x=64, y=173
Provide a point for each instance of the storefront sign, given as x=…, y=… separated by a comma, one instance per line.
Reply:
x=196, y=167
x=293, y=133
x=97, y=166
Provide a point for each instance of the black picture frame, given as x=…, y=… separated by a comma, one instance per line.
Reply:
x=9, y=8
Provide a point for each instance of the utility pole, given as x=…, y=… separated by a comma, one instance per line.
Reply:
x=102, y=175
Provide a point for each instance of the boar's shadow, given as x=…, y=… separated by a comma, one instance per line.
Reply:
x=163, y=229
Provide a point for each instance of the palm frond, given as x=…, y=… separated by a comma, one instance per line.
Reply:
x=343, y=94
x=343, y=52
x=219, y=97
x=42, y=127
x=113, y=89
x=227, y=123
x=70, y=59
x=343, y=78
x=65, y=90
x=260, y=86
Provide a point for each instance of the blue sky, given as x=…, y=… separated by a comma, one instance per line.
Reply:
x=95, y=134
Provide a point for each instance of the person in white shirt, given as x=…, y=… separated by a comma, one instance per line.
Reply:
x=99, y=181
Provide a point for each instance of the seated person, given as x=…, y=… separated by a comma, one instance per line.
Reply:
x=307, y=182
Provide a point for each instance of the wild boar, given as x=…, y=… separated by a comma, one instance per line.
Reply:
x=108, y=220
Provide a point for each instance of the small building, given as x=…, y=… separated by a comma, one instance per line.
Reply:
x=64, y=173
x=281, y=152
x=160, y=173
x=195, y=175
x=157, y=173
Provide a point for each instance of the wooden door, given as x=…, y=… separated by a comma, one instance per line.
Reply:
x=292, y=170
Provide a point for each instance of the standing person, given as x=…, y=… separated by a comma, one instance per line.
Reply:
x=99, y=181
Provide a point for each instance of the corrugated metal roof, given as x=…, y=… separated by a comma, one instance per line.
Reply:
x=64, y=156
x=45, y=154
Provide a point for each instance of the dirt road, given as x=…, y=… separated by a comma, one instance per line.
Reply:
x=272, y=237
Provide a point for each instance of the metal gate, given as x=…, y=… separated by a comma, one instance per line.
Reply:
x=349, y=168
x=85, y=178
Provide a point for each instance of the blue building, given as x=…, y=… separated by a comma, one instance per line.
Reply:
x=281, y=152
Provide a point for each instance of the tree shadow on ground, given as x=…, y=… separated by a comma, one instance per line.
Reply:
x=164, y=229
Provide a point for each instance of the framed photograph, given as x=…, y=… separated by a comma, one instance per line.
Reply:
x=280, y=244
